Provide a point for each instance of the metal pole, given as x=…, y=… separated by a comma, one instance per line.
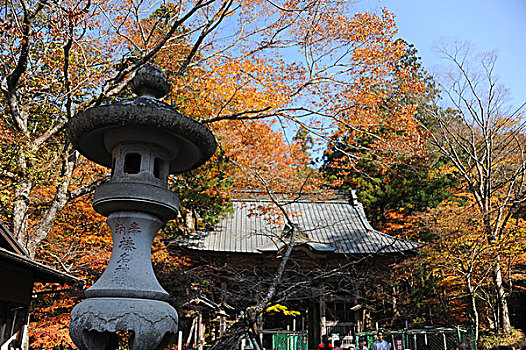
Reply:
x=445, y=341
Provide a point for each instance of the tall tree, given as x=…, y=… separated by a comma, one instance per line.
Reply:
x=246, y=68
x=229, y=61
x=392, y=182
x=462, y=262
x=55, y=58
x=483, y=138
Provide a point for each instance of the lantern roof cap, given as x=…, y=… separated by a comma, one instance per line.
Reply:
x=143, y=116
x=150, y=81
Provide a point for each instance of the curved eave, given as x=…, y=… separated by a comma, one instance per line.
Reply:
x=42, y=272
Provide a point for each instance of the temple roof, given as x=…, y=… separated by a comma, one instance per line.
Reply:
x=323, y=226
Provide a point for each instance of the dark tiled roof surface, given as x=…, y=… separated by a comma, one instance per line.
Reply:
x=330, y=226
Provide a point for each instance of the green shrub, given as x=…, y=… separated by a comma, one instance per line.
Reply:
x=516, y=339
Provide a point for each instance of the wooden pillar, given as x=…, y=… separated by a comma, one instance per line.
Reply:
x=25, y=337
x=358, y=312
x=259, y=324
x=323, y=318
x=313, y=322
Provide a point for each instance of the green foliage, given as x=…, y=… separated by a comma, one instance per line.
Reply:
x=403, y=188
x=425, y=101
x=204, y=191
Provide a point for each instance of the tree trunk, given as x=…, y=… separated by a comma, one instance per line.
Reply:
x=504, y=323
x=20, y=212
x=28, y=237
x=58, y=203
x=474, y=311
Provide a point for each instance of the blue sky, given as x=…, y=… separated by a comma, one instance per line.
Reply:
x=487, y=24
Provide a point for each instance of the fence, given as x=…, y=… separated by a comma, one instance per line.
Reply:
x=290, y=341
x=421, y=339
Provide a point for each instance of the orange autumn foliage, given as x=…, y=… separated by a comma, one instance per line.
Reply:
x=461, y=259
x=263, y=159
x=310, y=66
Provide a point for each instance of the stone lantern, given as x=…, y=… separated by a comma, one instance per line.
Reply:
x=142, y=140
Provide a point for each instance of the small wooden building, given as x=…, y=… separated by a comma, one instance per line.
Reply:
x=18, y=273
x=336, y=253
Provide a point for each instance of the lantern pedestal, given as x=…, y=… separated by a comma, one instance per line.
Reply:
x=95, y=321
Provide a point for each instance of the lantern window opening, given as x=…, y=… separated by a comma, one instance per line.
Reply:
x=158, y=168
x=132, y=163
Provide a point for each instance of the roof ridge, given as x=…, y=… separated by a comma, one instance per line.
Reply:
x=287, y=201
